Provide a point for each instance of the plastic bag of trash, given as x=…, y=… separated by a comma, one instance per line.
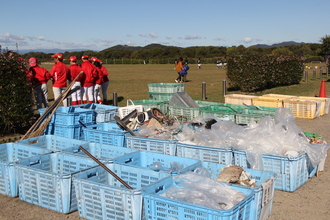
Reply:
x=197, y=189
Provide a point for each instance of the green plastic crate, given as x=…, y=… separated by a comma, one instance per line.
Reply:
x=166, y=87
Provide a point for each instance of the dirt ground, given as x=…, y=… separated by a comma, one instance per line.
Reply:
x=311, y=201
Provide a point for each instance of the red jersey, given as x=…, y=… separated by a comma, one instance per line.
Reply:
x=39, y=75
x=105, y=74
x=74, y=71
x=90, y=73
x=99, y=78
x=60, y=74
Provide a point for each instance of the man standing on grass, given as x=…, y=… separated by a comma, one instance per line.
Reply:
x=87, y=81
x=59, y=74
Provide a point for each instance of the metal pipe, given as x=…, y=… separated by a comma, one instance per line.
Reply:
x=114, y=99
x=203, y=90
x=306, y=75
x=104, y=167
x=224, y=87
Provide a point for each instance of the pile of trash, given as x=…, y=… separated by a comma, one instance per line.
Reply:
x=275, y=136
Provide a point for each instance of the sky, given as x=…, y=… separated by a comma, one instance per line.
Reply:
x=100, y=24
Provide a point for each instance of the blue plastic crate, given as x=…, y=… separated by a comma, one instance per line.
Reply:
x=260, y=205
x=100, y=151
x=291, y=172
x=204, y=153
x=69, y=131
x=105, y=133
x=10, y=153
x=52, y=142
x=46, y=180
x=71, y=116
x=158, y=162
x=101, y=196
x=151, y=144
x=104, y=113
x=165, y=208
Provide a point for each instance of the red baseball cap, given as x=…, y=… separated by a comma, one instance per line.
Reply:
x=93, y=59
x=73, y=58
x=84, y=57
x=33, y=61
x=98, y=60
x=58, y=55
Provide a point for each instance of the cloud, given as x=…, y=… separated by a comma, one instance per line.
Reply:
x=106, y=41
x=192, y=37
x=142, y=35
x=153, y=35
x=129, y=35
x=218, y=39
x=247, y=40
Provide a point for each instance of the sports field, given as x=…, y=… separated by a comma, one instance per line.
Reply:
x=131, y=82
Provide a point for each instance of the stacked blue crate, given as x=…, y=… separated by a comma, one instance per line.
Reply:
x=68, y=121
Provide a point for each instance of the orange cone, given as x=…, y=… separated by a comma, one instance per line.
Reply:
x=323, y=92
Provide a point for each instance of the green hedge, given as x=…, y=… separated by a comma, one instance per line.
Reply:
x=15, y=95
x=257, y=73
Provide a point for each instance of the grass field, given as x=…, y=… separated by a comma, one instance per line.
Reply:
x=131, y=82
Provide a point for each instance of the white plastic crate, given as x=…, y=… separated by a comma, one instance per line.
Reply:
x=101, y=196
x=206, y=154
x=291, y=172
x=9, y=154
x=46, y=180
x=52, y=142
x=151, y=144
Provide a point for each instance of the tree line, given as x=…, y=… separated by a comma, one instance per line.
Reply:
x=157, y=53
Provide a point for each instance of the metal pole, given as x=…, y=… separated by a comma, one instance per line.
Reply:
x=105, y=167
x=114, y=99
x=203, y=90
x=327, y=72
x=314, y=73
x=306, y=75
x=321, y=73
x=224, y=87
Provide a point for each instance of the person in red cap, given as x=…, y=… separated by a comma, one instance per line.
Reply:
x=87, y=81
x=98, y=82
x=75, y=69
x=59, y=74
x=39, y=79
x=105, y=82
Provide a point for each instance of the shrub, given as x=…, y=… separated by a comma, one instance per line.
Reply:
x=256, y=73
x=15, y=94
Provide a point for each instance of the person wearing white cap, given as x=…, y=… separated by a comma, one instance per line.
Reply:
x=60, y=75
x=39, y=80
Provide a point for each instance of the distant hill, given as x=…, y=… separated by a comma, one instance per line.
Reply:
x=150, y=46
x=283, y=44
x=51, y=50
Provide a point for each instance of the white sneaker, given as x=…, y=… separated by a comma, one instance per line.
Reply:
x=176, y=81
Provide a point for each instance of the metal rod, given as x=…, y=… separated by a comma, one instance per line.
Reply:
x=114, y=99
x=224, y=87
x=306, y=75
x=314, y=73
x=203, y=90
x=104, y=167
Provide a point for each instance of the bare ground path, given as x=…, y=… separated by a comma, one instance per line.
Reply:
x=311, y=201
